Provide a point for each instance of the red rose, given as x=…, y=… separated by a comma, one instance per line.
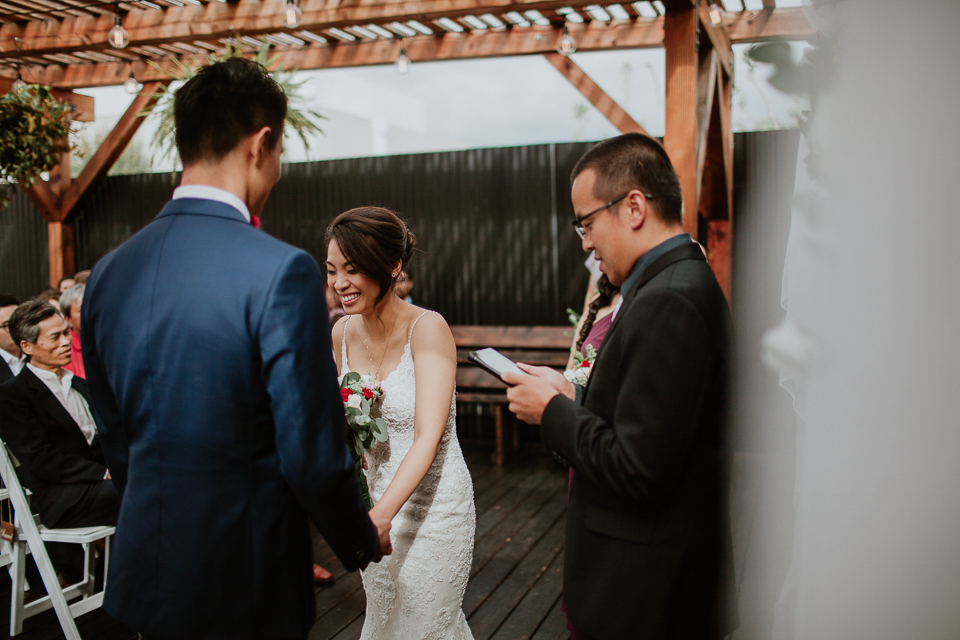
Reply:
x=585, y=364
x=367, y=394
x=345, y=394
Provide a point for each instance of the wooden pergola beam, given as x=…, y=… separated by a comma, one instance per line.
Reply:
x=625, y=34
x=215, y=20
x=83, y=105
x=110, y=149
x=592, y=92
x=765, y=25
x=718, y=38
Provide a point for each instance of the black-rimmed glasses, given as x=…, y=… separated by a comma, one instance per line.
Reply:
x=578, y=222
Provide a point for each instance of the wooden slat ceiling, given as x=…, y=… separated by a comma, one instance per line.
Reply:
x=37, y=34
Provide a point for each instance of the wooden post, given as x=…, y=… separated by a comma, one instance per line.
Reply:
x=680, y=137
x=60, y=246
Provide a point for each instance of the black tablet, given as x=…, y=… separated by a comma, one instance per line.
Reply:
x=493, y=362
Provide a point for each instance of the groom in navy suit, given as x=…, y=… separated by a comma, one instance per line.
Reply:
x=208, y=358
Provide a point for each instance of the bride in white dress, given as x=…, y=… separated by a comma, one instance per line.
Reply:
x=418, y=478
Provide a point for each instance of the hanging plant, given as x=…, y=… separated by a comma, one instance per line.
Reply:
x=300, y=119
x=34, y=130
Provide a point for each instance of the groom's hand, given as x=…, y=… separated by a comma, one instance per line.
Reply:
x=529, y=394
x=383, y=534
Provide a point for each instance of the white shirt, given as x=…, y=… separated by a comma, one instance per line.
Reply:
x=206, y=192
x=70, y=398
x=15, y=363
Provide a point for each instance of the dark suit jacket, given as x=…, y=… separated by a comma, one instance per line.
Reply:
x=648, y=536
x=5, y=372
x=56, y=463
x=208, y=356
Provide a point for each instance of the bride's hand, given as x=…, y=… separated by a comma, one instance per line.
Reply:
x=383, y=536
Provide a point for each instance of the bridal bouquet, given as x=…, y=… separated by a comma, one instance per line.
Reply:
x=579, y=373
x=362, y=396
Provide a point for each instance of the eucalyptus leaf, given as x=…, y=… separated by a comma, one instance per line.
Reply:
x=350, y=378
x=34, y=134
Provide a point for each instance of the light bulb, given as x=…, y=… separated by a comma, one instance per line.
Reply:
x=131, y=85
x=566, y=44
x=18, y=84
x=292, y=15
x=403, y=62
x=118, y=36
x=715, y=16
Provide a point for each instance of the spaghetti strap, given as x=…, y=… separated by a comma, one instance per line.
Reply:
x=410, y=335
x=343, y=347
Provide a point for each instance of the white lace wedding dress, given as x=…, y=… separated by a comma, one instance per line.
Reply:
x=417, y=591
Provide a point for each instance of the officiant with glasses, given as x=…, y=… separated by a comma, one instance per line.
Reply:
x=648, y=551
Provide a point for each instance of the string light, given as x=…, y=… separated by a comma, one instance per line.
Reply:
x=18, y=84
x=131, y=85
x=566, y=44
x=403, y=62
x=715, y=16
x=292, y=15
x=118, y=36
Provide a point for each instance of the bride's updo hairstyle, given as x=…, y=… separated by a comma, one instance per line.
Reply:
x=373, y=240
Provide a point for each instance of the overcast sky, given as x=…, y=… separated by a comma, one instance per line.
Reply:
x=489, y=102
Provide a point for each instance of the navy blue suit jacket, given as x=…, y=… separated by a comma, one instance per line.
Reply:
x=209, y=363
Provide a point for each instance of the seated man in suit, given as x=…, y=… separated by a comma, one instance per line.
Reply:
x=9, y=351
x=46, y=421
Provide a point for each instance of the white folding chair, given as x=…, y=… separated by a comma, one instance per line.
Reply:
x=30, y=538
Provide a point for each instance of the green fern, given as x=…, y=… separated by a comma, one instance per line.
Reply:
x=300, y=119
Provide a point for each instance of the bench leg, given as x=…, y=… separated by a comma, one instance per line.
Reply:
x=498, y=423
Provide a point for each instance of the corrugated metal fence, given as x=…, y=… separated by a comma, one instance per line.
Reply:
x=24, y=263
x=492, y=223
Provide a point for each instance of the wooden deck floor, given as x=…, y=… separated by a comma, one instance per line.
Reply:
x=514, y=588
x=515, y=582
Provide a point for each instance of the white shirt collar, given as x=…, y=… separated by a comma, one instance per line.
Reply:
x=206, y=192
x=51, y=376
x=15, y=363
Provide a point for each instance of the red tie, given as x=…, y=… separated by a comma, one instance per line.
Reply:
x=255, y=221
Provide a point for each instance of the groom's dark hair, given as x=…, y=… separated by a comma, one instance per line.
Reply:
x=223, y=104
x=634, y=161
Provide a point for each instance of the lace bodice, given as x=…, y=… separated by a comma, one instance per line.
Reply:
x=417, y=591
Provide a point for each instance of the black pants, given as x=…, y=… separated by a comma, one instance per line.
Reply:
x=98, y=506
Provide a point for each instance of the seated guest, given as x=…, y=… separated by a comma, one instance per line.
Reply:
x=404, y=286
x=81, y=277
x=46, y=421
x=50, y=295
x=65, y=283
x=9, y=351
x=70, y=303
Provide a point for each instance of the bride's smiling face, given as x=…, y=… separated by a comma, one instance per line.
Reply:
x=358, y=293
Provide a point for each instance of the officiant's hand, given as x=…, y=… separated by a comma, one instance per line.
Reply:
x=383, y=534
x=530, y=394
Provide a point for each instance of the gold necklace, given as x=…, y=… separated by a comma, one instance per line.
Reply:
x=366, y=344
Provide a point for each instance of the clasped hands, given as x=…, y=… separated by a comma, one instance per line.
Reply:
x=529, y=394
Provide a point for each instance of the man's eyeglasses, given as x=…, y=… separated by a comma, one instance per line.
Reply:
x=578, y=222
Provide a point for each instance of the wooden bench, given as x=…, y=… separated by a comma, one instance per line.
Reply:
x=545, y=346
